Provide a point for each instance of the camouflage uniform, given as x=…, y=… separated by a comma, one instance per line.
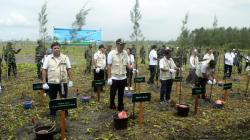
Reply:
x=10, y=59
x=40, y=52
x=88, y=56
x=142, y=54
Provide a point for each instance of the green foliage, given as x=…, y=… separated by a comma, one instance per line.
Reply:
x=42, y=19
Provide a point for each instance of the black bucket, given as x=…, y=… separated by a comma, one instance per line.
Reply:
x=45, y=132
x=120, y=123
x=182, y=110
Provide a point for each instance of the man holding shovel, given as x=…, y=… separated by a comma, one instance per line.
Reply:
x=58, y=67
x=117, y=79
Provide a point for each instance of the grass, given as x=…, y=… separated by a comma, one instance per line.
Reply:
x=94, y=120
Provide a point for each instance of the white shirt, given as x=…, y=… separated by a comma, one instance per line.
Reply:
x=100, y=54
x=131, y=59
x=208, y=56
x=46, y=61
x=193, y=61
x=229, y=58
x=248, y=61
x=152, y=55
x=110, y=63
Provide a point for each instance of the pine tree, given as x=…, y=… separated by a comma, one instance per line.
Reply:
x=42, y=19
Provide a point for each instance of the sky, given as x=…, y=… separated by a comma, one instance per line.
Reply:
x=161, y=19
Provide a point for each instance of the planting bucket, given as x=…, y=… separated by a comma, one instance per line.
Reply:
x=182, y=110
x=218, y=104
x=85, y=99
x=27, y=104
x=120, y=123
x=45, y=132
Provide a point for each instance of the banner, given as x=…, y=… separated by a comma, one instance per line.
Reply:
x=77, y=37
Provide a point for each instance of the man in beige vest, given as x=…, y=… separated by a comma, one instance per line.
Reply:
x=57, y=67
x=117, y=79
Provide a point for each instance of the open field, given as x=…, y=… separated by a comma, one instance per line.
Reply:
x=94, y=120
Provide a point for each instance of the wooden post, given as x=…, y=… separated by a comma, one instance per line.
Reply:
x=140, y=115
x=225, y=95
x=98, y=94
x=62, y=124
x=196, y=104
x=41, y=97
x=176, y=88
x=248, y=77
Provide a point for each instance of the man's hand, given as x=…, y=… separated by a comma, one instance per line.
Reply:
x=110, y=81
x=172, y=70
x=70, y=84
x=97, y=70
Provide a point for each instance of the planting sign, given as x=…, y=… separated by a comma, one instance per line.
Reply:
x=141, y=97
x=64, y=103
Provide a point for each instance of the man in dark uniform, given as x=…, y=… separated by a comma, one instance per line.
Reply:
x=40, y=52
x=88, y=56
x=10, y=59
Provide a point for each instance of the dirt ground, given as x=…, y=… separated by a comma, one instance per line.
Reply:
x=94, y=120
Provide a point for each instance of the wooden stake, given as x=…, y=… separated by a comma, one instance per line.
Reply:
x=176, y=88
x=98, y=94
x=140, y=115
x=225, y=95
x=196, y=104
x=62, y=124
x=41, y=97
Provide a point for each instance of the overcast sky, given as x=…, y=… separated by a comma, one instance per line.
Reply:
x=161, y=19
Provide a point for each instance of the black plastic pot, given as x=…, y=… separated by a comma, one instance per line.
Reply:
x=218, y=105
x=182, y=110
x=120, y=123
x=45, y=132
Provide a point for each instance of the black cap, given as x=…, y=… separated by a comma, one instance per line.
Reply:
x=120, y=41
x=101, y=46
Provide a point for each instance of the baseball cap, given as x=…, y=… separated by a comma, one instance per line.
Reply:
x=120, y=41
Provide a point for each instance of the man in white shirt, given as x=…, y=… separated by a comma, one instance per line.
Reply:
x=228, y=65
x=152, y=64
x=167, y=74
x=209, y=55
x=131, y=62
x=99, y=63
x=117, y=79
x=57, y=67
x=205, y=74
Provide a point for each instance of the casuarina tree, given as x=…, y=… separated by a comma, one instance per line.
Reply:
x=42, y=19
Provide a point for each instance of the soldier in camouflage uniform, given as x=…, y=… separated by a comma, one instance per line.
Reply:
x=40, y=52
x=10, y=59
x=142, y=54
x=88, y=56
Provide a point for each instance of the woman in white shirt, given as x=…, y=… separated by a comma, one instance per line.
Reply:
x=131, y=62
x=193, y=61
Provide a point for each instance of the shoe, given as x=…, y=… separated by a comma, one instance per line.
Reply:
x=162, y=102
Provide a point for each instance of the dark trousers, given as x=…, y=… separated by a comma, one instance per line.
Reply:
x=129, y=77
x=117, y=85
x=152, y=69
x=54, y=89
x=201, y=82
x=227, y=68
x=166, y=87
x=12, y=66
x=98, y=76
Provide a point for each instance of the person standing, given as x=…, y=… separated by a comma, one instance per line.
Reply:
x=99, y=62
x=10, y=59
x=152, y=64
x=131, y=62
x=247, y=66
x=208, y=56
x=167, y=74
x=228, y=64
x=193, y=63
x=205, y=74
x=58, y=68
x=142, y=54
x=117, y=64
x=40, y=52
x=88, y=56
